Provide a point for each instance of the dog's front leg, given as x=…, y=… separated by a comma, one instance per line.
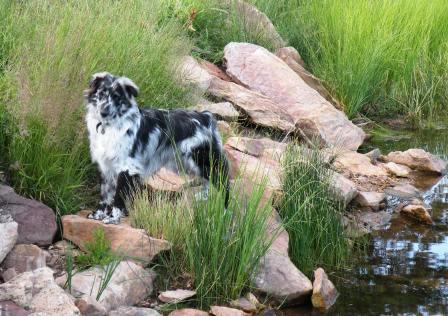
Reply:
x=108, y=189
x=126, y=186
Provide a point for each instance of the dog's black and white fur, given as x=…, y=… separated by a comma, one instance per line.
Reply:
x=129, y=143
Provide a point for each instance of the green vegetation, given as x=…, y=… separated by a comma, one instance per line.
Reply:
x=48, y=51
x=98, y=252
x=311, y=217
x=218, y=249
x=379, y=58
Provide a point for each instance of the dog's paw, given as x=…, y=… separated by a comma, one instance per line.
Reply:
x=113, y=217
x=201, y=196
x=97, y=215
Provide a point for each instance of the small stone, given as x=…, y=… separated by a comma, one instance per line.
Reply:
x=370, y=199
x=226, y=311
x=418, y=213
x=188, y=312
x=374, y=155
x=244, y=304
x=324, y=291
x=134, y=311
x=397, y=170
x=344, y=190
x=87, y=305
x=176, y=296
x=253, y=299
x=9, y=274
x=25, y=257
x=404, y=191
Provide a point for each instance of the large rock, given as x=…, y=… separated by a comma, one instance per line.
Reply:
x=293, y=59
x=255, y=22
x=279, y=278
x=359, y=223
x=129, y=284
x=418, y=159
x=25, y=257
x=256, y=68
x=324, y=291
x=167, y=180
x=255, y=106
x=397, y=170
x=124, y=239
x=36, y=221
x=11, y=308
x=37, y=292
x=344, y=190
x=404, y=192
x=8, y=234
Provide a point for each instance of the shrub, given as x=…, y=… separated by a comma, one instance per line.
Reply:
x=312, y=219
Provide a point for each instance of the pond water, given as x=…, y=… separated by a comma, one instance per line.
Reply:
x=405, y=270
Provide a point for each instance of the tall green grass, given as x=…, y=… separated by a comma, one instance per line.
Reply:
x=380, y=58
x=312, y=219
x=218, y=249
x=51, y=49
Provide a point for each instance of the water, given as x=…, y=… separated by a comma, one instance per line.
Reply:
x=405, y=270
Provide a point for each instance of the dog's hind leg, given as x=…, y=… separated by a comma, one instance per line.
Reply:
x=127, y=184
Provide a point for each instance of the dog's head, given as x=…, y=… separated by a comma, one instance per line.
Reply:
x=110, y=97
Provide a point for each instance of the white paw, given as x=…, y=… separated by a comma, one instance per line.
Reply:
x=97, y=215
x=114, y=217
x=201, y=196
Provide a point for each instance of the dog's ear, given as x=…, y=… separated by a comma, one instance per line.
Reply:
x=129, y=86
x=95, y=82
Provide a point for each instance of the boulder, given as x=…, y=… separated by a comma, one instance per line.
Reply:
x=418, y=159
x=344, y=190
x=374, y=155
x=124, y=239
x=129, y=284
x=418, y=213
x=255, y=22
x=188, y=312
x=222, y=110
x=261, y=71
x=37, y=292
x=176, y=296
x=324, y=291
x=397, y=170
x=36, y=221
x=259, y=147
x=293, y=59
x=11, y=308
x=167, y=180
x=256, y=107
x=370, y=200
x=279, y=278
x=25, y=257
x=359, y=223
x=226, y=311
x=244, y=304
x=134, y=311
x=8, y=234
x=351, y=163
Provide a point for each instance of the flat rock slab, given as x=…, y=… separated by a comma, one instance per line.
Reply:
x=324, y=291
x=404, y=192
x=370, y=199
x=176, y=296
x=279, y=278
x=222, y=110
x=126, y=240
x=397, y=170
x=134, y=311
x=188, y=312
x=129, y=284
x=244, y=304
x=38, y=292
x=8, y=234
x=351, y=163
x=343, y=189
x=418, y=159
x=36, y=221
x=256, y=68
x=167, y=180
